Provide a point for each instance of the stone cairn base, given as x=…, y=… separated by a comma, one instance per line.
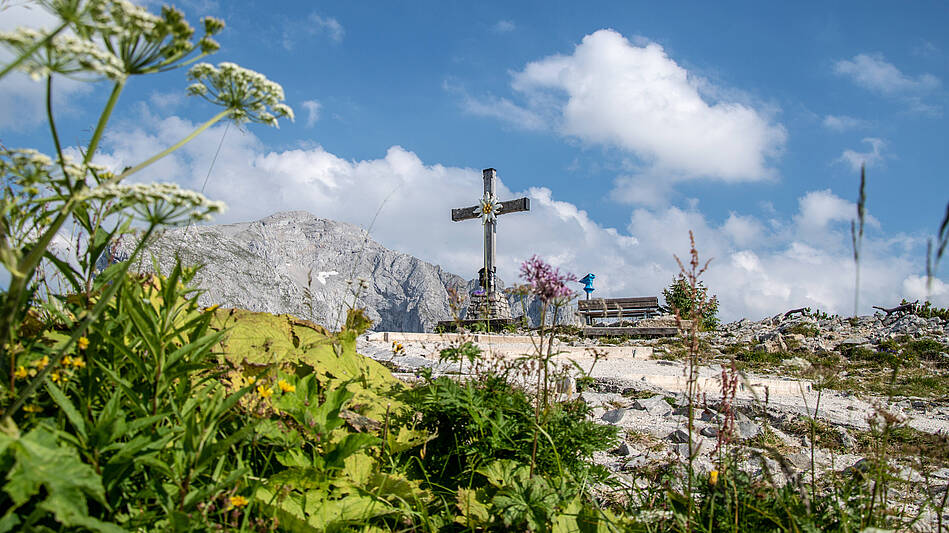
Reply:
x=487, y=306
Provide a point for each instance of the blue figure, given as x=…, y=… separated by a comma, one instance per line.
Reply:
x=587, y=282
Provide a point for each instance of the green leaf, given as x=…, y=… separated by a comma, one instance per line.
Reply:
x=350, y=444
x=41, y=463
x=67, y=407
x=503, y=472
x=406, y=439
x=474, y=513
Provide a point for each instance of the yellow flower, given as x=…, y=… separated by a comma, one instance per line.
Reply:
x=212, y=308
x=238, y=501
x=83, y=343
x=285, y=387
x=67, y=360
x=32, y=408
x=21, y=372
x=264, y=391
x=251, y=380
x=78, y=363
x=56, y=377
x=41, y=363
x=713, y=477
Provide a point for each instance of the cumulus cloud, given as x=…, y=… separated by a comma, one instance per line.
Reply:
x=743, y=230
x=873, y=72
x=312, y=108
x=612, y=92
x=759, y=268
x=858, y=159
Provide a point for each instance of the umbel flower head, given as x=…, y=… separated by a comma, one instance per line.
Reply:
x=112, y=39
x=158, y=203
x=249, y=95
x=64, y=54
x=545, y=281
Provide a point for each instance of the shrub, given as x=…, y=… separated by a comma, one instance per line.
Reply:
x=679, y=298
x=478, y=422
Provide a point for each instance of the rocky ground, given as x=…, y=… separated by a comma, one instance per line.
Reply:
x=860, y=375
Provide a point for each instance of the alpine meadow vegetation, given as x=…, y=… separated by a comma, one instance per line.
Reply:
x=127, y=406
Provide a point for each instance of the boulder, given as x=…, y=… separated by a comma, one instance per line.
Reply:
x=656, y=406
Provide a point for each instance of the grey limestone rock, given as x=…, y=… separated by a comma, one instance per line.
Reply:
x=297, y=263
x=656, y=406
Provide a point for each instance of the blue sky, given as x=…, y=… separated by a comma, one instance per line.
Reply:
x=627, y=123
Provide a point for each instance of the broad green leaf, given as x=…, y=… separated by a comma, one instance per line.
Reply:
x=41, y=463
x=474, y=513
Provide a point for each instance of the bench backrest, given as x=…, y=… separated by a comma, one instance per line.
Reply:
x=618, y=305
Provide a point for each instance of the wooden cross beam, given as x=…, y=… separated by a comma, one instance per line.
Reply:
x=488, y=210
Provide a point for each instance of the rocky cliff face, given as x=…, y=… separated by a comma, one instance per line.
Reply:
x=310, y=267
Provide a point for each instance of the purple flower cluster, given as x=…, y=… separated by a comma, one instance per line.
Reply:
x=545, y=281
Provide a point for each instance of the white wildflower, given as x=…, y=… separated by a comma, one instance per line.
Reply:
x=64, y=54
x=158, y=203
x=248, y=95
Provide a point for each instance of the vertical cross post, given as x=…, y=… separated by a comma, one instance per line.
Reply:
x=490, y=231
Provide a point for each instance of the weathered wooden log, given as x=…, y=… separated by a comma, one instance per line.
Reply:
x=904, y=308
x=800, y=310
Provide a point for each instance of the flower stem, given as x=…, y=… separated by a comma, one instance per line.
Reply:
x=174, y=147
x=90, y=317
x=103, y=120
x=32, y=49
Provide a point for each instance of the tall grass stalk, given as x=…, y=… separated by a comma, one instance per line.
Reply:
x=856, y=237
x=932, y=260
x=692, y=275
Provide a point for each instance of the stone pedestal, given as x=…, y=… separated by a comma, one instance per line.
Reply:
x=487, y=306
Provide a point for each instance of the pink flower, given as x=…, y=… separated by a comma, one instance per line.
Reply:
x=545, y=281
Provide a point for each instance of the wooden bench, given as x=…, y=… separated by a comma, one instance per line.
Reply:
x=643, y=307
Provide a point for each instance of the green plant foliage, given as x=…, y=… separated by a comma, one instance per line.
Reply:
x=808, y=330
x=679, y=297
x=476, y=423
x=928, y=310
x=256, y=341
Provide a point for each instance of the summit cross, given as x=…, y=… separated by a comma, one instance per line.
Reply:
x=488, y=210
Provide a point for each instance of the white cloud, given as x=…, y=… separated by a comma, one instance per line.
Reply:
x=915, y=288
x=872, y=158
x=22, y=100
x=743, y=230
x=641, y=189
x=315, y=24
x=167, y=101
x=842, y=123
x=312, y=112
x=873, y=72
x=328, y=25
x=499, y=108
x=615, y=93
x=759, y=268
x=817, y=209
x=504, y=26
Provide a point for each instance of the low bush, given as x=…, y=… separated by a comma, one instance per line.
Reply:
x=478, y=422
